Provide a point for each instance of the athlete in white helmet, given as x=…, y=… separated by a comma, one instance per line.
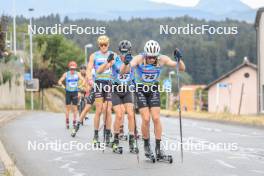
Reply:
x=148, y=66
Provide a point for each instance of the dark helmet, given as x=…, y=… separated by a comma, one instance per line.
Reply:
x=124, y=46
x=83, y=66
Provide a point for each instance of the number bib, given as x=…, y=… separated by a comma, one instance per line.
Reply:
x=124, y=77
x=73, y=84
x=149, y=77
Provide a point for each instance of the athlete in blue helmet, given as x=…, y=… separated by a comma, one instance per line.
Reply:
x=121, y=96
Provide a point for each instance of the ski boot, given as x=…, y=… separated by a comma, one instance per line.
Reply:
x=121, y=136
x=160, y=156
x=107, y=138
x=75, y=130
x=132, y=145
x=115, y=145
x=149, y=154
x=96, y=142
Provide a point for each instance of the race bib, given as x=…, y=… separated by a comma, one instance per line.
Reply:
x=73, y=84
x=123, y=77
x=148, y=77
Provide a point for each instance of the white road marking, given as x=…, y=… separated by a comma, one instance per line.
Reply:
x=257, y=171
x=238, y=157
x=223, y=163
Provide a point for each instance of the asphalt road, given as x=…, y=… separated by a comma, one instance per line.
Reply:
x=229, y=150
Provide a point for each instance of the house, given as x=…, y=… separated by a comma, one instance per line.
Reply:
x=235, y=92
x=259, y=25
x=190, y=101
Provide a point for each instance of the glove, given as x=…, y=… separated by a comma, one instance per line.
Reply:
x=177, y=55
x=128, y=59
x=110, y=57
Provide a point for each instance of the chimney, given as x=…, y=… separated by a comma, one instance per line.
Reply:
x=246, y=61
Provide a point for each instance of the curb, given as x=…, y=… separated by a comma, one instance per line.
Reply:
x=9, y=163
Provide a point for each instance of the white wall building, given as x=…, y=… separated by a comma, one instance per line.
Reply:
x=235, y=92
x=259, y=24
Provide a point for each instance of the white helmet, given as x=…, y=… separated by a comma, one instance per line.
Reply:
x=152, y=48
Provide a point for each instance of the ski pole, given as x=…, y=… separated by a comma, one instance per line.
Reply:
x=105, y=124
x=179, y=108
x=135, y=121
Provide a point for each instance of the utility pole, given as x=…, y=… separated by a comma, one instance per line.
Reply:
x=14, y=25
x=31, y=57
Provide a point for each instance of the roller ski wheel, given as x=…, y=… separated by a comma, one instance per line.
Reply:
x=149, y=154
x=117, y=149
x=151, y=158
x=160, y=156
x=73, y=134
x=134, y=150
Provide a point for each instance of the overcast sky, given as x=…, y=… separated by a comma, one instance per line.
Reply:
x=251, y=3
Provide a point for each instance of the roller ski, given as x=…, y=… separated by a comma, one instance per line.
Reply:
x=132, y=145
x=149, y=154
x=76, y=129
x=115, y=145
x=160, y=156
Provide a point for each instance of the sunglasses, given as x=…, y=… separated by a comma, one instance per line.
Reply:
x=151, y=57
x=103, y=45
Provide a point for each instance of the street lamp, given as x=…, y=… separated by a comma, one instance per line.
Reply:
x=169, y=94
x=31, y=56
x=14, y=25
x=86, y=47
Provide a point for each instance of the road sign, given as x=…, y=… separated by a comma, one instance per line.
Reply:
x=223, y=85
x=27, y=77
x=32, y=85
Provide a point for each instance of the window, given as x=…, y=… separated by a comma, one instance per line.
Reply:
x=246, y=75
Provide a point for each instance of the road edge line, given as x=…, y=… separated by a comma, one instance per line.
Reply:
x=9, y=164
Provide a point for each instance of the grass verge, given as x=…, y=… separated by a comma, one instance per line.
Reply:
x=253, y=120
